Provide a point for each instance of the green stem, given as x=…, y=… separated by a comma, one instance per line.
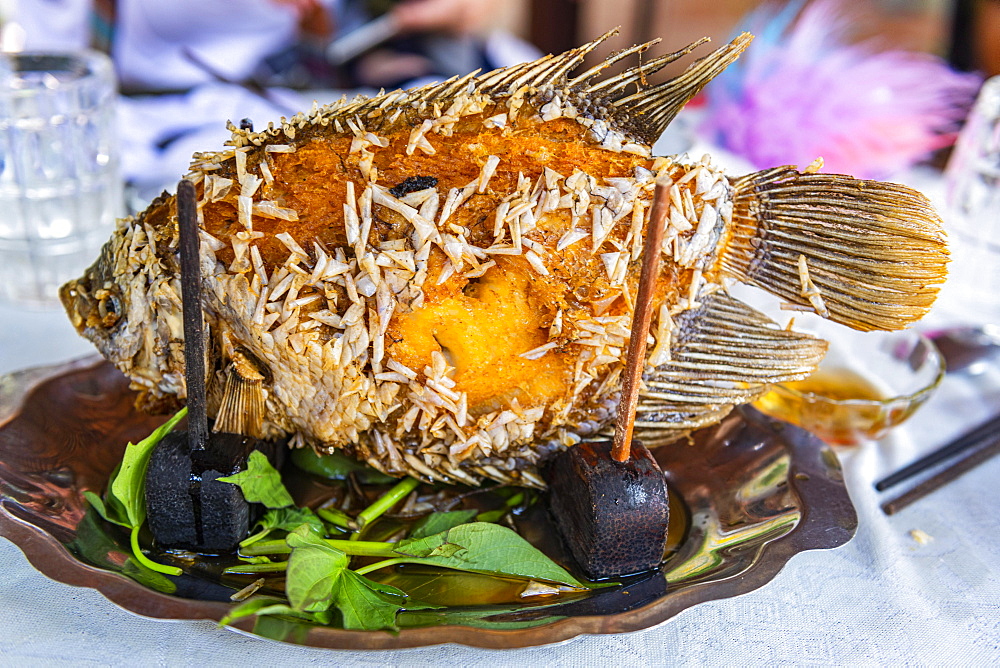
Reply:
x=256, y=560
x=275, y=567
x=266, y=547
x=337, y=518
x=385, y=502
x=146, y=561
x=250, y=540
x=354, y=548
x=492, y=515
x=496, y=515
x=382, y=564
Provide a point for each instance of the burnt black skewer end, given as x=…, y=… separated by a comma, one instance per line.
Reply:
x=185, y=504
x=613, y=516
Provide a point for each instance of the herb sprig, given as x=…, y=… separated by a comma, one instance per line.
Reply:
x=321, y=587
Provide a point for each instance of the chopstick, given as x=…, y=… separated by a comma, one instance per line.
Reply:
x=966, y=441
x=249, y=86
x=953, y=471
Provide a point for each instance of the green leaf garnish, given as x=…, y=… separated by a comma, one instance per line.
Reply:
x=366, y=605
x=313, y=570
x=488, y=548
x=318, y=579
x=320, y=586
x=125, y=501
x=97, y=503
x=441, y=521
x=128, y=487
x=337, y=466
x=285, y=519
x=261, y=483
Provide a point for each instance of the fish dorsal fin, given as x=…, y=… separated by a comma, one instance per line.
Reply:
x=546, y=71
x=648, y=112
x=643, y=114
x=723, y=354
x=242, y=409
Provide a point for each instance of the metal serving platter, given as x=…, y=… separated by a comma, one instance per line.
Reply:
x=754, y=491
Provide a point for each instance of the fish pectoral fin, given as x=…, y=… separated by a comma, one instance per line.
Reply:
x=866, y=254
x=724, y=354
x=648, y=112
x=242, y=407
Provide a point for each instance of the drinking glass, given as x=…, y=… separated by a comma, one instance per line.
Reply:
x=972, y=210
x=60, y=177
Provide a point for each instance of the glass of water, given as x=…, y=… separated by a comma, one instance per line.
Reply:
x=972, y=211
x=60, y=175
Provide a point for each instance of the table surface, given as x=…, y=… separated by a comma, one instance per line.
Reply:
x=884, y=598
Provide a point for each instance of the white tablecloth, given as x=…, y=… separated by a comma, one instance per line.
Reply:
x=884, y=598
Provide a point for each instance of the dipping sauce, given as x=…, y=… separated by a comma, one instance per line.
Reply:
x=840, y=384
x=839, y=405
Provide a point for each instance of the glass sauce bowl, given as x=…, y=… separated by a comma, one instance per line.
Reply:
x=868, y=383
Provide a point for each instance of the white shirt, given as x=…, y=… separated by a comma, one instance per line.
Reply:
x=152, y=37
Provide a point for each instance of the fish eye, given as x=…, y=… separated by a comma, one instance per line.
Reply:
x=109, y=308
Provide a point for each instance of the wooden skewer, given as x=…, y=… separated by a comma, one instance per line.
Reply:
x=194, y=331
x=640, y=323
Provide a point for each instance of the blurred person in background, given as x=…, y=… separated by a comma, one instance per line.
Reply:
x=188, y=66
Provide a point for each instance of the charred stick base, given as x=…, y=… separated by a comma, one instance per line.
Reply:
x=612, y=515
x=185, y=504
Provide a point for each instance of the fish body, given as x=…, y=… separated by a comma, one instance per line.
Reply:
x=440, y=281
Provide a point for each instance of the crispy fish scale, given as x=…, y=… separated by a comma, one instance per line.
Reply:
x=482, y=324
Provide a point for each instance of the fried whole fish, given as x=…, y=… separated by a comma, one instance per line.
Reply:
x=440, y=281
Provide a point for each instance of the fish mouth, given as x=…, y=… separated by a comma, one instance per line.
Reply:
x=101, y=308
x=75, y=303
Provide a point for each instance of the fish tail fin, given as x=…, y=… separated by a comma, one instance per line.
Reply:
x=866, y=254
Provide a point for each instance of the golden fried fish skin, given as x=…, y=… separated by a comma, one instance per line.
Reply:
x=440, y=281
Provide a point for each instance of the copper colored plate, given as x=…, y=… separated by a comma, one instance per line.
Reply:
x=756, y=492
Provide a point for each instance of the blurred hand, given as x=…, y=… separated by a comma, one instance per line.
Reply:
x=314, y=18
x=451, y=16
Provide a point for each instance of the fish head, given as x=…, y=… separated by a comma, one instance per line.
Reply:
x=127, y=303
x=97, y=304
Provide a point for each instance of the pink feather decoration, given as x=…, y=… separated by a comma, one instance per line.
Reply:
x=801, y=92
